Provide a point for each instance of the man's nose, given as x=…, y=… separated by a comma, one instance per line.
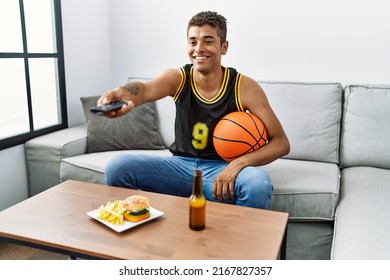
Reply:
x=199, y=47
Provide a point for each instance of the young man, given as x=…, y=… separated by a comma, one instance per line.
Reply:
x=203, y=91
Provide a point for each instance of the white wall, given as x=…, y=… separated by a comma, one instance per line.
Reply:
x=345, y=41
x=86, y=26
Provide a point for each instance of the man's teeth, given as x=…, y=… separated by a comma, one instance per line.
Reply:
x=201, y=57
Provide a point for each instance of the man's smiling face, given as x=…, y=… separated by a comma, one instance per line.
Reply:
x=204, y=48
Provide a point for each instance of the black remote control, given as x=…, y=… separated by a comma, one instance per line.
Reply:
x=100, y=110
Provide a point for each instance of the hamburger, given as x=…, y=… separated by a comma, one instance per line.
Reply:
x=136, y=208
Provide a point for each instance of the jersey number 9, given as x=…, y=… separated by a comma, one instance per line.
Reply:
x=200, y=134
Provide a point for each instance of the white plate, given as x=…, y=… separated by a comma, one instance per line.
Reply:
x=154, y=213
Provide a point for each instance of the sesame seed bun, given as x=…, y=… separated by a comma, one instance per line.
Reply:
x=136, y=203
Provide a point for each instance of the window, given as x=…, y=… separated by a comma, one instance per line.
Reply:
x=32, y=78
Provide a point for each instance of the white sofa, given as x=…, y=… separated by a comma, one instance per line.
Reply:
x=335, y=182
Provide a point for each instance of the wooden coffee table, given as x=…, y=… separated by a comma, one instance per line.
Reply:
x=56, y=220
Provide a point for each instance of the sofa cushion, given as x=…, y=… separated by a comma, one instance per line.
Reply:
x=310, y=114
x=365, y=138
x=166, y=115
x=308, y=191
x=136, y=130
x=166, y=119
x=362, y=223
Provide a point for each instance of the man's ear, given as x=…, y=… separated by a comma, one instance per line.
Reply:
x=225, y=46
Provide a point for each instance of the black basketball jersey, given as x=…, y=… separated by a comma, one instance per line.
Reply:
x=196, y=116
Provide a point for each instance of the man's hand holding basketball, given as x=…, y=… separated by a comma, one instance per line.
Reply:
x=114, y=95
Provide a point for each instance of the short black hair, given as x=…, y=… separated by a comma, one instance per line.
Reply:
x=213, y=19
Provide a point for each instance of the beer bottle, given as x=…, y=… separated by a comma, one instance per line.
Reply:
x=197, y=203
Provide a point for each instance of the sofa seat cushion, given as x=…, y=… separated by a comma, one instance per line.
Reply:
x=362, y=222
x=308, y=191
x=90, y=167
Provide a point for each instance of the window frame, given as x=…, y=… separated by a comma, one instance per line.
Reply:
x=59, y=55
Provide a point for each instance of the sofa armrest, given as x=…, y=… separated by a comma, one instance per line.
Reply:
x=45, y=153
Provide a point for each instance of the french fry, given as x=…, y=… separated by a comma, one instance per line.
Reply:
x=112, y=212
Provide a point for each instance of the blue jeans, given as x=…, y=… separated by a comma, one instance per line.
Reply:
x=173, y=175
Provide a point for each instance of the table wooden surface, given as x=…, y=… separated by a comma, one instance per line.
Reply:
x=56, y=220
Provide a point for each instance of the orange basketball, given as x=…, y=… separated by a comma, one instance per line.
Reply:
x=237, y=134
